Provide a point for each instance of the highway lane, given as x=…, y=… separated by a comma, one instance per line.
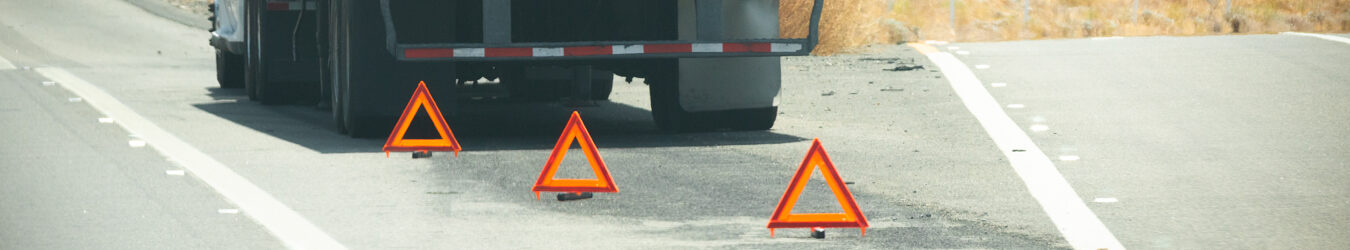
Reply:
x=1196, y=142
x=917, y=162
x=1191, y=137
x=71, y=181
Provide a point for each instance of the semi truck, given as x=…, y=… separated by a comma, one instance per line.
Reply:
x=708, y=64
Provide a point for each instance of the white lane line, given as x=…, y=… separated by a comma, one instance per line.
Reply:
x=998, y=84
x=4, y=64
x=1080, y=227
x=177, y=172
x=1328, y=37
x=1068, y=158
x=287, y=225
x=1039, y=128
x=1016, y=106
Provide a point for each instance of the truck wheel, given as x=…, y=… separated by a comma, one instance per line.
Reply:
x=602, y=85
x=229, y=66
x=377, y=87
x=229, y=70
x=671, y=116
x=751, y=119
x=252, y=70
x=266, y=48
x=335, y=65
x=255, y=68
x=666, y=110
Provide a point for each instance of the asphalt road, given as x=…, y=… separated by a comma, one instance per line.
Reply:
x=1206, y=142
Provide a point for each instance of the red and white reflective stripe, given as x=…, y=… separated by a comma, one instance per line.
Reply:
x=275, y=5
x=603, y=50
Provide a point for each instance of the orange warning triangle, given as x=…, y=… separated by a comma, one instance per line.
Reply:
x=783, y=216
x=421, y=100
x=575, y=131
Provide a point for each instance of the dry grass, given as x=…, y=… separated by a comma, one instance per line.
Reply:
x=844, y=24
x=849, y=24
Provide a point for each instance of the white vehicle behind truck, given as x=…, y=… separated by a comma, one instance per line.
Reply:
x=709, y=64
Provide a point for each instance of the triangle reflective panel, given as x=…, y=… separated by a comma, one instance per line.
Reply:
x=850, y=218
x=421, y=100
x=575, y=131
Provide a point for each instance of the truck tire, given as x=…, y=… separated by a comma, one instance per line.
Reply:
x=263, y=50
x=256, y=68
x=334, y=64
x=602, y=85
x=669, y=115
x=229, y=66
x=252, y=70
x=229, y=70
x=376, y=87
x=666, y=110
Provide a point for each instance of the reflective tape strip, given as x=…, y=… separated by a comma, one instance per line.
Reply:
x=667, y=48
x=548, y=52
x=469, y=52
x=597, y=50
x=707, y=47
x=273, y=5
x=508, y=52
x=628, y=49
x=785, y=47
x=588, y=50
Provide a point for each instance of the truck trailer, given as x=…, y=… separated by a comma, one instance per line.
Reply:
x=709, y=64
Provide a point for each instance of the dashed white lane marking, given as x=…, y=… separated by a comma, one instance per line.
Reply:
x=1105, y=200
x=175, y=172
x=936, y=42
x=135, y=143
x=227, y=211
x=1016, y=106
x=981, y=66
x=106, y=120
x=1039, y=128
x=75, y=99
x=998, y=84
x=1328, y=37
x=1068, y=158
x=48, y=83
x=287, y=225
x=1080, y=227
x=5, y=64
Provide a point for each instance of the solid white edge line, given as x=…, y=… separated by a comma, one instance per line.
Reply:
x=1078, y=224
x=5, y=64
x=1327, y=37
x=289, y=227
